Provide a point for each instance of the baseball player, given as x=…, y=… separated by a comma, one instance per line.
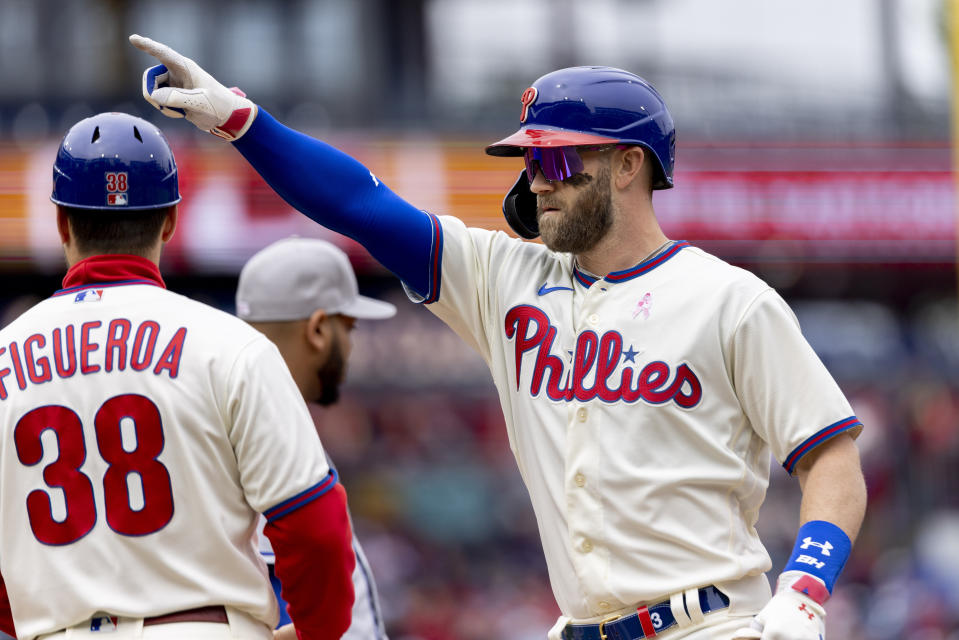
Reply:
x=644, y=382
x=144, y=433
x=302, y=294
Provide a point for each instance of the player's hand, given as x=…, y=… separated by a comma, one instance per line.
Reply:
x=789, y=615
x=180, y=88
x=286, y=632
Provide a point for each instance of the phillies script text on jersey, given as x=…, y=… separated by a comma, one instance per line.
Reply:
x=90, y=348
x=596, y=357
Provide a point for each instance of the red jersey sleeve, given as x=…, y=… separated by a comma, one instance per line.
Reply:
x=314, y=562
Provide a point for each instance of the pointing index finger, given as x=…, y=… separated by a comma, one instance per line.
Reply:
x=166, y=55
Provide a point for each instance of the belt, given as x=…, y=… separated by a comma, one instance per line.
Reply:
x=215, y=613
x=647, y=622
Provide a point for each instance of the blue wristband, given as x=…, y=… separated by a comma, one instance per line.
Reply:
x=821, y=549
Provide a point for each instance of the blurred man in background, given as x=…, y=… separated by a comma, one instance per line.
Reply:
x=303, y=295
x=144, y=432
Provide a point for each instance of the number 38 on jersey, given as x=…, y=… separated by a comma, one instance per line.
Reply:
x=129, y=511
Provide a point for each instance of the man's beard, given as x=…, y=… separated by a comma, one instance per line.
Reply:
x=583, y=222
x=331, y=375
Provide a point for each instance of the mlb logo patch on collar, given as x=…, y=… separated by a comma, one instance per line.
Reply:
x=103, y=623
x=89, y=295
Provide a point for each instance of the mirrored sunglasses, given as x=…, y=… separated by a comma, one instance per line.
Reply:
x=557, y=163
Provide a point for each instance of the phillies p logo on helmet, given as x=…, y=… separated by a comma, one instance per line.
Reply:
x=529, y=96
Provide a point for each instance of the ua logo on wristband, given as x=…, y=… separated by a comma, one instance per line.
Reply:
x=832, y=547
x=823, y=546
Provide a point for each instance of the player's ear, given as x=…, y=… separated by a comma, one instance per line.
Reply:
x=169, y=224
x=63, y=225
x=631, y=165
x=317, y=331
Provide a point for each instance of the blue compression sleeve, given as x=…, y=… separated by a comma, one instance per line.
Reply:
x=341, y=194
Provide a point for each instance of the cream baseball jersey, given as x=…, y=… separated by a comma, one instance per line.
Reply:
x=141, y=434
x=641, y=407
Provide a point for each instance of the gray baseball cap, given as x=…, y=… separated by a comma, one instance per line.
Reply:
x=292, y=278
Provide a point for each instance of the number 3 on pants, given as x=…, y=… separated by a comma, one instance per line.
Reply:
x=64, y=472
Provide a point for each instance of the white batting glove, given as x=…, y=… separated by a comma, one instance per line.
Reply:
x=179, y=88
x=790, y=614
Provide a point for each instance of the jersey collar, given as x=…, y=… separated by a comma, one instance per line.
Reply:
x=642, y=268
x=111, y=271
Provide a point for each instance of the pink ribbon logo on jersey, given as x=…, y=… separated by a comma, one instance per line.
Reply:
x=643, y=306
x=592, y=372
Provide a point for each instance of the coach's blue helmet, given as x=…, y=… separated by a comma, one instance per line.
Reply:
x=587, y=106
x=115, y=162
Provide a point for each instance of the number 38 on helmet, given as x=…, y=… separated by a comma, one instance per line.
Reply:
x=115, y=161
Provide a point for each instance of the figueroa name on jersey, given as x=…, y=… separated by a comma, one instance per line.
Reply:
x=123, y=345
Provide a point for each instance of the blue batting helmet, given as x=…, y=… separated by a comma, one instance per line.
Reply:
x=595, y=105
x=115, y=162
x=586, y=106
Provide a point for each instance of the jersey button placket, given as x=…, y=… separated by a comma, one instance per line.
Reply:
x=587, y=316
x=585, y=511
